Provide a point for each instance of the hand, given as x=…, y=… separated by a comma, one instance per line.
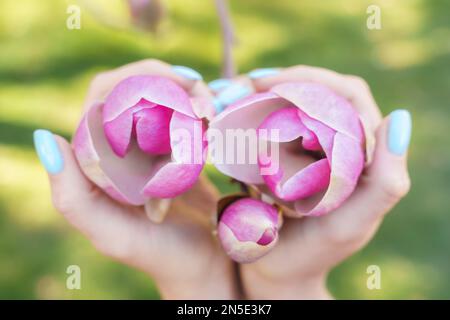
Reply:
x=310, y=247
x=180, y=254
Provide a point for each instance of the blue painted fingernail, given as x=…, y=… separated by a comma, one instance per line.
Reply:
x=187, y=72
x=265, y=72
x=219, y=84
x=232, y=94
x=48, y=151
x=218, y=106
x=399, y=132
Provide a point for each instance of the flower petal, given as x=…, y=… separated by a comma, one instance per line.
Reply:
x=306, y=182
x=287, y=121
x=155, y=89
x=179, y=175
x=250, y=218
x=242, y=251
x=119, y=131
x=324, y=134
x=321, y=103
x=152, y=129
x=346, y=167
x=122, y=178
x=172, y=180
x=203, y=107
x=186, y=139
x=247, y=113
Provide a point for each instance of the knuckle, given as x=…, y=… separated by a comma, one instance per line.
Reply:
x=395, y=189
x=151, y=63
x=342, y=237
x=62, y=202
x=358, y=82
x=300, y=68
x=115, y=248
x=99, y=78
x=112, y=249
x=70, y=204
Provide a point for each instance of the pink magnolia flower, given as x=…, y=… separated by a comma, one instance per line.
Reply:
x=248, y=229
x=144, y=141
x=321, y=145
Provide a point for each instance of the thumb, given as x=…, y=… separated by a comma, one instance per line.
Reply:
x=386, y=180
x=81, y=203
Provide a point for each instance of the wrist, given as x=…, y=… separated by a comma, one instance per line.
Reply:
x=218, y=283
x=292, y=288
x=200, y=290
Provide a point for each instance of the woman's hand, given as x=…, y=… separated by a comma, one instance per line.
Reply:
x=310, y=247
x=181, y=254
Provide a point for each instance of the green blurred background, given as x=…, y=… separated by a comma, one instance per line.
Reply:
x=45, y=70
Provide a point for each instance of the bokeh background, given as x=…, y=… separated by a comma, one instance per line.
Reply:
x=45, y=70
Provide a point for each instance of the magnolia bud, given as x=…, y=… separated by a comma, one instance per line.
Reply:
x=248, y=229
x=147, y=14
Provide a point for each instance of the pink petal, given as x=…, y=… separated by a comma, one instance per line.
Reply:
x=203, y=107
x=122, y=178
x=152, y=129
x=242, y=251
x=244, y=114
x=250, y=218
x=248, y=229
x=89, y=161
x=322, y=104
x=119, y=131
x=287, y=120
x=188, y=147
x=301, y=180
x=186, y=139
x=155, y=89
x=346, y=167
x=323, y=133
x=172, y=180
x=306, y=182
x=267, y=237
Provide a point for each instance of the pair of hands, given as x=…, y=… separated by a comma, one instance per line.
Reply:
x=183, y=256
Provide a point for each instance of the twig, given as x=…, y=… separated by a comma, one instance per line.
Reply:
x=228, y=66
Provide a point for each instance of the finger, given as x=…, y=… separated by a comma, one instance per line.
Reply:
x=353, y=88
x=82, y=204
x=202, y=101
x=200, y=89
x=199, y=204
x=104, y=82
x=229, y=91
x=384, y=184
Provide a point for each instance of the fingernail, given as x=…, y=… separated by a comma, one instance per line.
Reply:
x=218, y=106
x=48, y=151
x=232, y=94
x=265, y=72
x=187, y=73
x=399, y=132
x=219, y=84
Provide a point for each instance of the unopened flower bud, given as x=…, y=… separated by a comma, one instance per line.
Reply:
x=248, y=229
x=147, y=14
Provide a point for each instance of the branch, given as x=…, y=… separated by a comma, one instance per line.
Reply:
x=228, y=67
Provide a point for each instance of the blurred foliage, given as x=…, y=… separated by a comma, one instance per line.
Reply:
x=45, y=70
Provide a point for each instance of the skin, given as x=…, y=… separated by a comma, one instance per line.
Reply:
x=310, y=247
x=181, y=254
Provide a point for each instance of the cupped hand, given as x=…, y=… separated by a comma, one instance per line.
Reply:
x=181, y=254
x=310, y=247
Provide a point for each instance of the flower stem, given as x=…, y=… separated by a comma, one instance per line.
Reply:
x=228, y=39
